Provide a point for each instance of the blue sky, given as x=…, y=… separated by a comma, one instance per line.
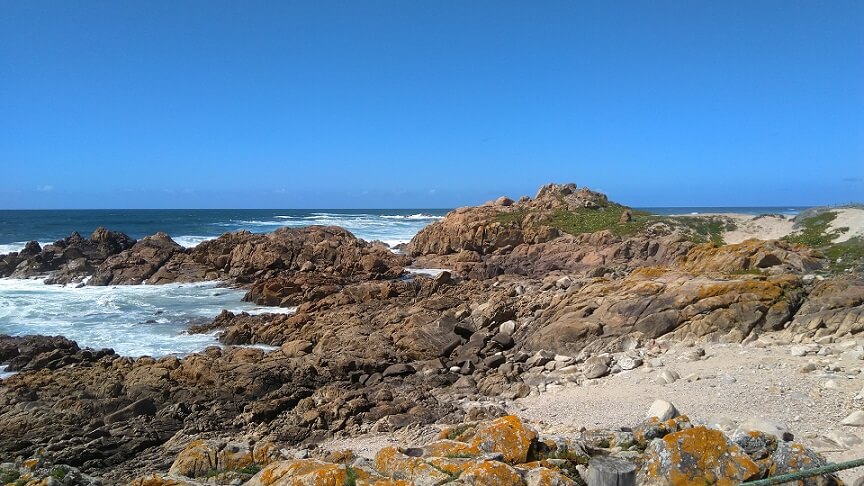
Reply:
x=441, y=103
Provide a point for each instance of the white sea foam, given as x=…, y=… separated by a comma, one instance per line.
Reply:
x=133, y=320
x=190, y=241
x=429, y=272
x=18, y=246
x=418, y=216
x=5, y=374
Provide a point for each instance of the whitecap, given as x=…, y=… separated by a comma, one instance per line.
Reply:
x=134, y=320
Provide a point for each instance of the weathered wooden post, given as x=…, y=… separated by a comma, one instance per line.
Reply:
x=611, y=471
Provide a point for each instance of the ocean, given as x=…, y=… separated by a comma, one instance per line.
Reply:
x=151, y=320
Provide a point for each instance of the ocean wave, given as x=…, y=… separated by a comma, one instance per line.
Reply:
x=188, y=241
x=18, y=246
x=418, y=216
x=134, y=320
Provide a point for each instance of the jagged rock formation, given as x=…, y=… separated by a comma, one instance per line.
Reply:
x=523, y=305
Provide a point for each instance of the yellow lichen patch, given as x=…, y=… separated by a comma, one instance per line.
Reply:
x=543, y=476
x=32, y=464
x=390, y=462
x=301, y=472
x=696, y=456
x=450, y=448
x=197, y=459
x=491, y=472
x=451, y=466
x=507, y=435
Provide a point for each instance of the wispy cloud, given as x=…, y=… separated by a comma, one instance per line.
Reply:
x=853, y=179
x=45, y=188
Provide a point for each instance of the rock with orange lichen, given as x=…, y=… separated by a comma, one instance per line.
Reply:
x=696, y=456
x=506, y=435
x=206, y=457
x=752, y=255
x=453, y=466
x=391, y=462
x=300, y=472
x=793, y=456
x=491, y=472
x=654, y=428
x=544, y=476
x=157, y=480
x=450, y=448
x=383, y=482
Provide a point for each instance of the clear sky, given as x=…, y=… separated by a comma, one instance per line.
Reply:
x=428, y=103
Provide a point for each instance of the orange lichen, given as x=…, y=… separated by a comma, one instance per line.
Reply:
x=301, y=472
x=450, y=448
x=698, y=456
x=390, y=462
x=491, y=472
x=506, y=435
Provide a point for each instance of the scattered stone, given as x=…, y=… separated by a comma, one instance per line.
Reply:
x=666, y=377
x=663, y=410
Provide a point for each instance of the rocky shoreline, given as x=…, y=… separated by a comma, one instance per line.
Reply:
x=561, y=290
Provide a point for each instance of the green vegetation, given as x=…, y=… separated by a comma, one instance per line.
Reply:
x=58, y=473
x=251, y=469
x=454, y=475
x=350, y=476
x=457, y=431
x=846, y=255
x=814, y=231
x=8, y=476
x=699, y=229
x=460, y=455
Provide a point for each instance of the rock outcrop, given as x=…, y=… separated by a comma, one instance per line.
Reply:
x=506, y=451
x=67, y=260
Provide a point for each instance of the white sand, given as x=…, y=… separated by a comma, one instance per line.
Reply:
x=852, y=218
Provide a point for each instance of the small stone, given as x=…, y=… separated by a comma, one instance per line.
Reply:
x=766, y=427
x=666, y=377
x=831, y=385
x=629, y=362
x=843, y=439
x=809, y=367
x=564, y=282
x=399, y=369
x=494, y=361
x=663, y=410
x=596, y=367
x=855, y=419
x=798, y=350
x=507, y=327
